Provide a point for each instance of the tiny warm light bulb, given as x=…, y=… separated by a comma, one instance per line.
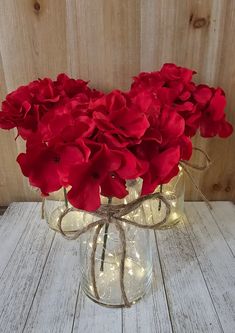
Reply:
x=137, y=255
x=175, y=215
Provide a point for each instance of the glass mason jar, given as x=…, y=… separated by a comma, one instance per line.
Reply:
x=109, y=247
x=174, y=193
x=54, y=206
x=137, y=266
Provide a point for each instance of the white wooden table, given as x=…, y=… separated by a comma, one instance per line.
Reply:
x=193, y=288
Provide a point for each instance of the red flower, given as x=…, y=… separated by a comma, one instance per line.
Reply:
x=65, y=123
x=204, y=109
x=191, y=115
x=71, y=88
x=106, y=173
x=87, y=178
x=200, y=106
x=171, y=72
x=24, y=107
x=114, y=184
x=119, y=122
x=94, y=142
x=171, y=126
x=162, y=167
x=48, y=167
x=168, y=84
x=43, y=92
x=186, y=148
x=162, y=147
x=147, y=81
x=213, y=117
x=202, y=94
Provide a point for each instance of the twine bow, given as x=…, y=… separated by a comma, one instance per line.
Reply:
x=114, y=214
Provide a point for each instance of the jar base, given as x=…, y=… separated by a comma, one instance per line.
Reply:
x=134, y=296
x=171, y=224
x=114, y=306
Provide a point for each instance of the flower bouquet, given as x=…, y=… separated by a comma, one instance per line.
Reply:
x=110, y=154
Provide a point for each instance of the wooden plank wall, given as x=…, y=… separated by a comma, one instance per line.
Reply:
x=109, y=41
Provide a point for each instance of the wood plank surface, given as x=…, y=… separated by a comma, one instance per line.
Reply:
x=216, y=262
x=108, y=42
x=54, y=304
x=224, y=216
x=90, y=317
x=12, y=227
x=20, y=279
x=193, y=286
x=190, y=304
x=103, y=41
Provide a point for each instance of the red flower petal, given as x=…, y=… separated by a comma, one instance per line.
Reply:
x=41, y=168
x=163, y=167
x=114, y=186
x=85, y=191
x=202, y=94
x=226, y=129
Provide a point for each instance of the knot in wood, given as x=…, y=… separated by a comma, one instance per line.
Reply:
x=217, y=187
x=228, y=188
x=37, y=6
x=200, y=22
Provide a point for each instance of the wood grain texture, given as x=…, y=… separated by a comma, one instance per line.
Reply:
x=103, y=39
x=193, y=284
x=216, y=261
x=12, y=226
x=89, y=317
x=224, y=216
x=109, y=41
x=190, y=305
x=54, y=304
x=22, y=274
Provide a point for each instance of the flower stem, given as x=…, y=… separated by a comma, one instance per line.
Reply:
x=160, y=201
x=65, y=197
x=105, y=240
